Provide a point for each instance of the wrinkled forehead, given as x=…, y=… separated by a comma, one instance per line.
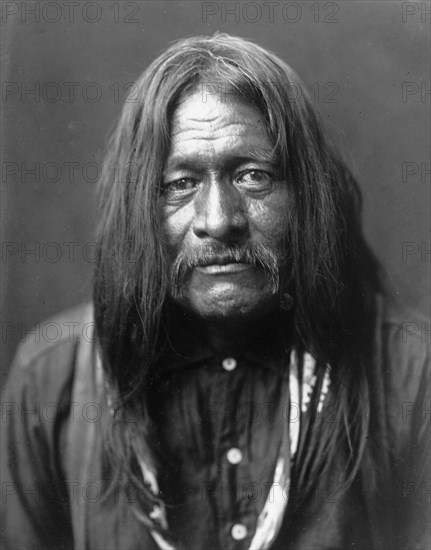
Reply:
x=214, y=125
x=198, y=106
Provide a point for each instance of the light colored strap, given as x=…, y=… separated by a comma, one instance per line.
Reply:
x=271, y=517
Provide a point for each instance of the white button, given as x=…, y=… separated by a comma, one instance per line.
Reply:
x=229, y=364
x=238, y=531
x=234, y=455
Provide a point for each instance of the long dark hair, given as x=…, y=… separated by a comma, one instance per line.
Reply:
x=335, y=275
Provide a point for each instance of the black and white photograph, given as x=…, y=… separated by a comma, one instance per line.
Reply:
x=215, y=267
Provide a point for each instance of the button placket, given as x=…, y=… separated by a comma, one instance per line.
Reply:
x=237, y=531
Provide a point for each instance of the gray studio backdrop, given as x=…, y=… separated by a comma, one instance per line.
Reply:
x=68, y=68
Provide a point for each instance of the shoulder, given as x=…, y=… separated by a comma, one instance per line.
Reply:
x=60, y=332
x=404, y=344
x=403, y=322
x=404, y=349
x=404, y=340
x=45, y=360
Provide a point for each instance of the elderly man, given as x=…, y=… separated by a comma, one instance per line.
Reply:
x=248, y=385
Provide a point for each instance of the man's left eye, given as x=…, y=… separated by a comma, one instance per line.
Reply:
x=255, y=179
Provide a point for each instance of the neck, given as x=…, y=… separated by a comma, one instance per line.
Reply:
x=225, y=335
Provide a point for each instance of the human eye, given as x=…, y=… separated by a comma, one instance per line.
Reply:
x=179, y=188
x=255, y=180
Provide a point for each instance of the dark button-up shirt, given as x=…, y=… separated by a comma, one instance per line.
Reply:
x=220, y=423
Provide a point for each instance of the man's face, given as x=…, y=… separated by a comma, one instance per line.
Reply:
x=224, y=210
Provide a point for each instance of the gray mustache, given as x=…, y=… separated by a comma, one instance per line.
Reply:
x=256, y=254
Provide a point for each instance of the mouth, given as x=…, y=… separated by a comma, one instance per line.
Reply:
x=223, y=269
x=235, y=265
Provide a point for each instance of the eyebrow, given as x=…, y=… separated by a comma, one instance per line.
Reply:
x=231, y=159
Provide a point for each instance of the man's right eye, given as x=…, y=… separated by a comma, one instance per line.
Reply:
x=180, y=186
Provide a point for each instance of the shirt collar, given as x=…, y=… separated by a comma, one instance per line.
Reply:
x=188, y=351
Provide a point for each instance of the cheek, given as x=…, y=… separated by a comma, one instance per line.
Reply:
x=270, y=217
x=176, y=224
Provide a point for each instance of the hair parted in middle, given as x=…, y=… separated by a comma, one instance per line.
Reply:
x=334, y=274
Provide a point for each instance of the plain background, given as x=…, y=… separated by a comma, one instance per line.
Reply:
x=375, y=55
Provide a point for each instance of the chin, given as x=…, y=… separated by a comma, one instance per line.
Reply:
x=241, y=304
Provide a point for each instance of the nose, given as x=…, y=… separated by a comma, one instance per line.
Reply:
x=219, y=212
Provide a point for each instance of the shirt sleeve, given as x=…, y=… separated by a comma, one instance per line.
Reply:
x=409, y=420
x=416, y=482
x=35, y=511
